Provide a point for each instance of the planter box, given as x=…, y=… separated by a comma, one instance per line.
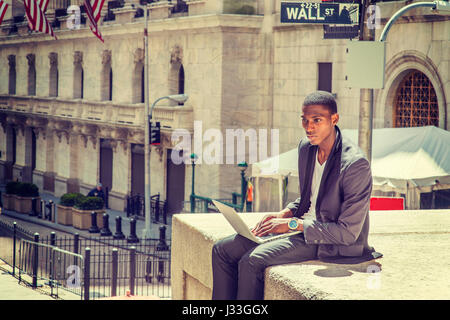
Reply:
x=8, y=201
x=24, y=204
x=64, y=215
x=81, y=219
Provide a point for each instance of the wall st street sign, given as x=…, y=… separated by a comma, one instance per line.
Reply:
x=320, y=12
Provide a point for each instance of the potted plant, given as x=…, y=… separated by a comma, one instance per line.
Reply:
x=24, y=198
x=9, y=197
x=81, y=212
x=66, y=202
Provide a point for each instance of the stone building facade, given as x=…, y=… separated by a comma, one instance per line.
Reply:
x=72, y=110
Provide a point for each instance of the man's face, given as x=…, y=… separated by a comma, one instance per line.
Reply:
x=318, y=123
x=99, y=188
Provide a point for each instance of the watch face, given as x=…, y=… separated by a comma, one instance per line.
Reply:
x=293, y=224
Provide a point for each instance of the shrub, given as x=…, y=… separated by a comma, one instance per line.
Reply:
x=12, y=187
x=28, y=190
x=69, y=199
x=89, y=203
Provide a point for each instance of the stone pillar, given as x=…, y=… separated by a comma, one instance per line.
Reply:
x=121, y=171
x=20, y=154
x=9, y=153
x=73, y=183
x=27, y=172
x=49, y=174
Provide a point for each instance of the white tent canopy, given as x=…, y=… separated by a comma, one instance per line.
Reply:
x=404, y=160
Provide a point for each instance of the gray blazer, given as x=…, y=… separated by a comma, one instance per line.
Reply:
x=342, y=208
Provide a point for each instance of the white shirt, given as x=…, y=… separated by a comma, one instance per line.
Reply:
x=315, y=185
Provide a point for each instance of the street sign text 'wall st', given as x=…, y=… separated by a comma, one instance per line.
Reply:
x=320, y=12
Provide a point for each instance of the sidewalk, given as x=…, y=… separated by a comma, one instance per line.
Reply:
x=11, y=289
x=140, y=224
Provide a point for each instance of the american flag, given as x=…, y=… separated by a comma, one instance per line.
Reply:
x=93, y=12
x=3, y=8
x=34, y=10
x=42, y=4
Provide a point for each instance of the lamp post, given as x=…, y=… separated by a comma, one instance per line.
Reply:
x=180, y=98
x=193, y=159
x=243, y=166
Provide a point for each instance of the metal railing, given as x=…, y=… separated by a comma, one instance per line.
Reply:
x=199, y=204
x=136, y=207
x=41, y=265
x=90, y=268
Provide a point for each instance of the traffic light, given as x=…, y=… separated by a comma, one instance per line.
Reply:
x=155, y=133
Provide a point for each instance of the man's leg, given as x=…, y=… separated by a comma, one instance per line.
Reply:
x=253, y=264
x=226, y=254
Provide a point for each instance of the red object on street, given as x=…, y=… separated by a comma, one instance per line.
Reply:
x=387, y=203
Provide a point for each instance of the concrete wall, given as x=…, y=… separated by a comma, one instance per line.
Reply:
x=413, y=244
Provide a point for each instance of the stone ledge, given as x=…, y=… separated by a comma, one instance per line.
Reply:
x=414, y=244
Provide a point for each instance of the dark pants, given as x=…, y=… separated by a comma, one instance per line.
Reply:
x=239, y=264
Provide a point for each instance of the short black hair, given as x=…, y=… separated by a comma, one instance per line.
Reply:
x=322, y=98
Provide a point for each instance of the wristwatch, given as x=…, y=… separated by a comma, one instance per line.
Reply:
x=293, y=224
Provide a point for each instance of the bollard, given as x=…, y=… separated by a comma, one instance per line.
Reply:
x=132, y=238
x=114, y=269
x=119, y=234
x=76, y=246
x=162, y=245
x=49, y=210
x=94, y=228
x=107, y=197
x=76, y=242
x=33, y=212
x=52, y=211
x=132, y=269
x=35, y=260
x=105, y=232
x=41, y=215
x=87, y=271
x=53, y=239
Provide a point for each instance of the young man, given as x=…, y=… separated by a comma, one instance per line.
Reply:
x=332, y=211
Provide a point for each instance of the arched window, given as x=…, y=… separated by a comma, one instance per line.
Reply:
x=416, y=102
x=53, y=75
x=31, y=75
x=12, y=74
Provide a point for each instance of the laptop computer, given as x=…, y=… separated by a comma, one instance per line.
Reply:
x=241, y=227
